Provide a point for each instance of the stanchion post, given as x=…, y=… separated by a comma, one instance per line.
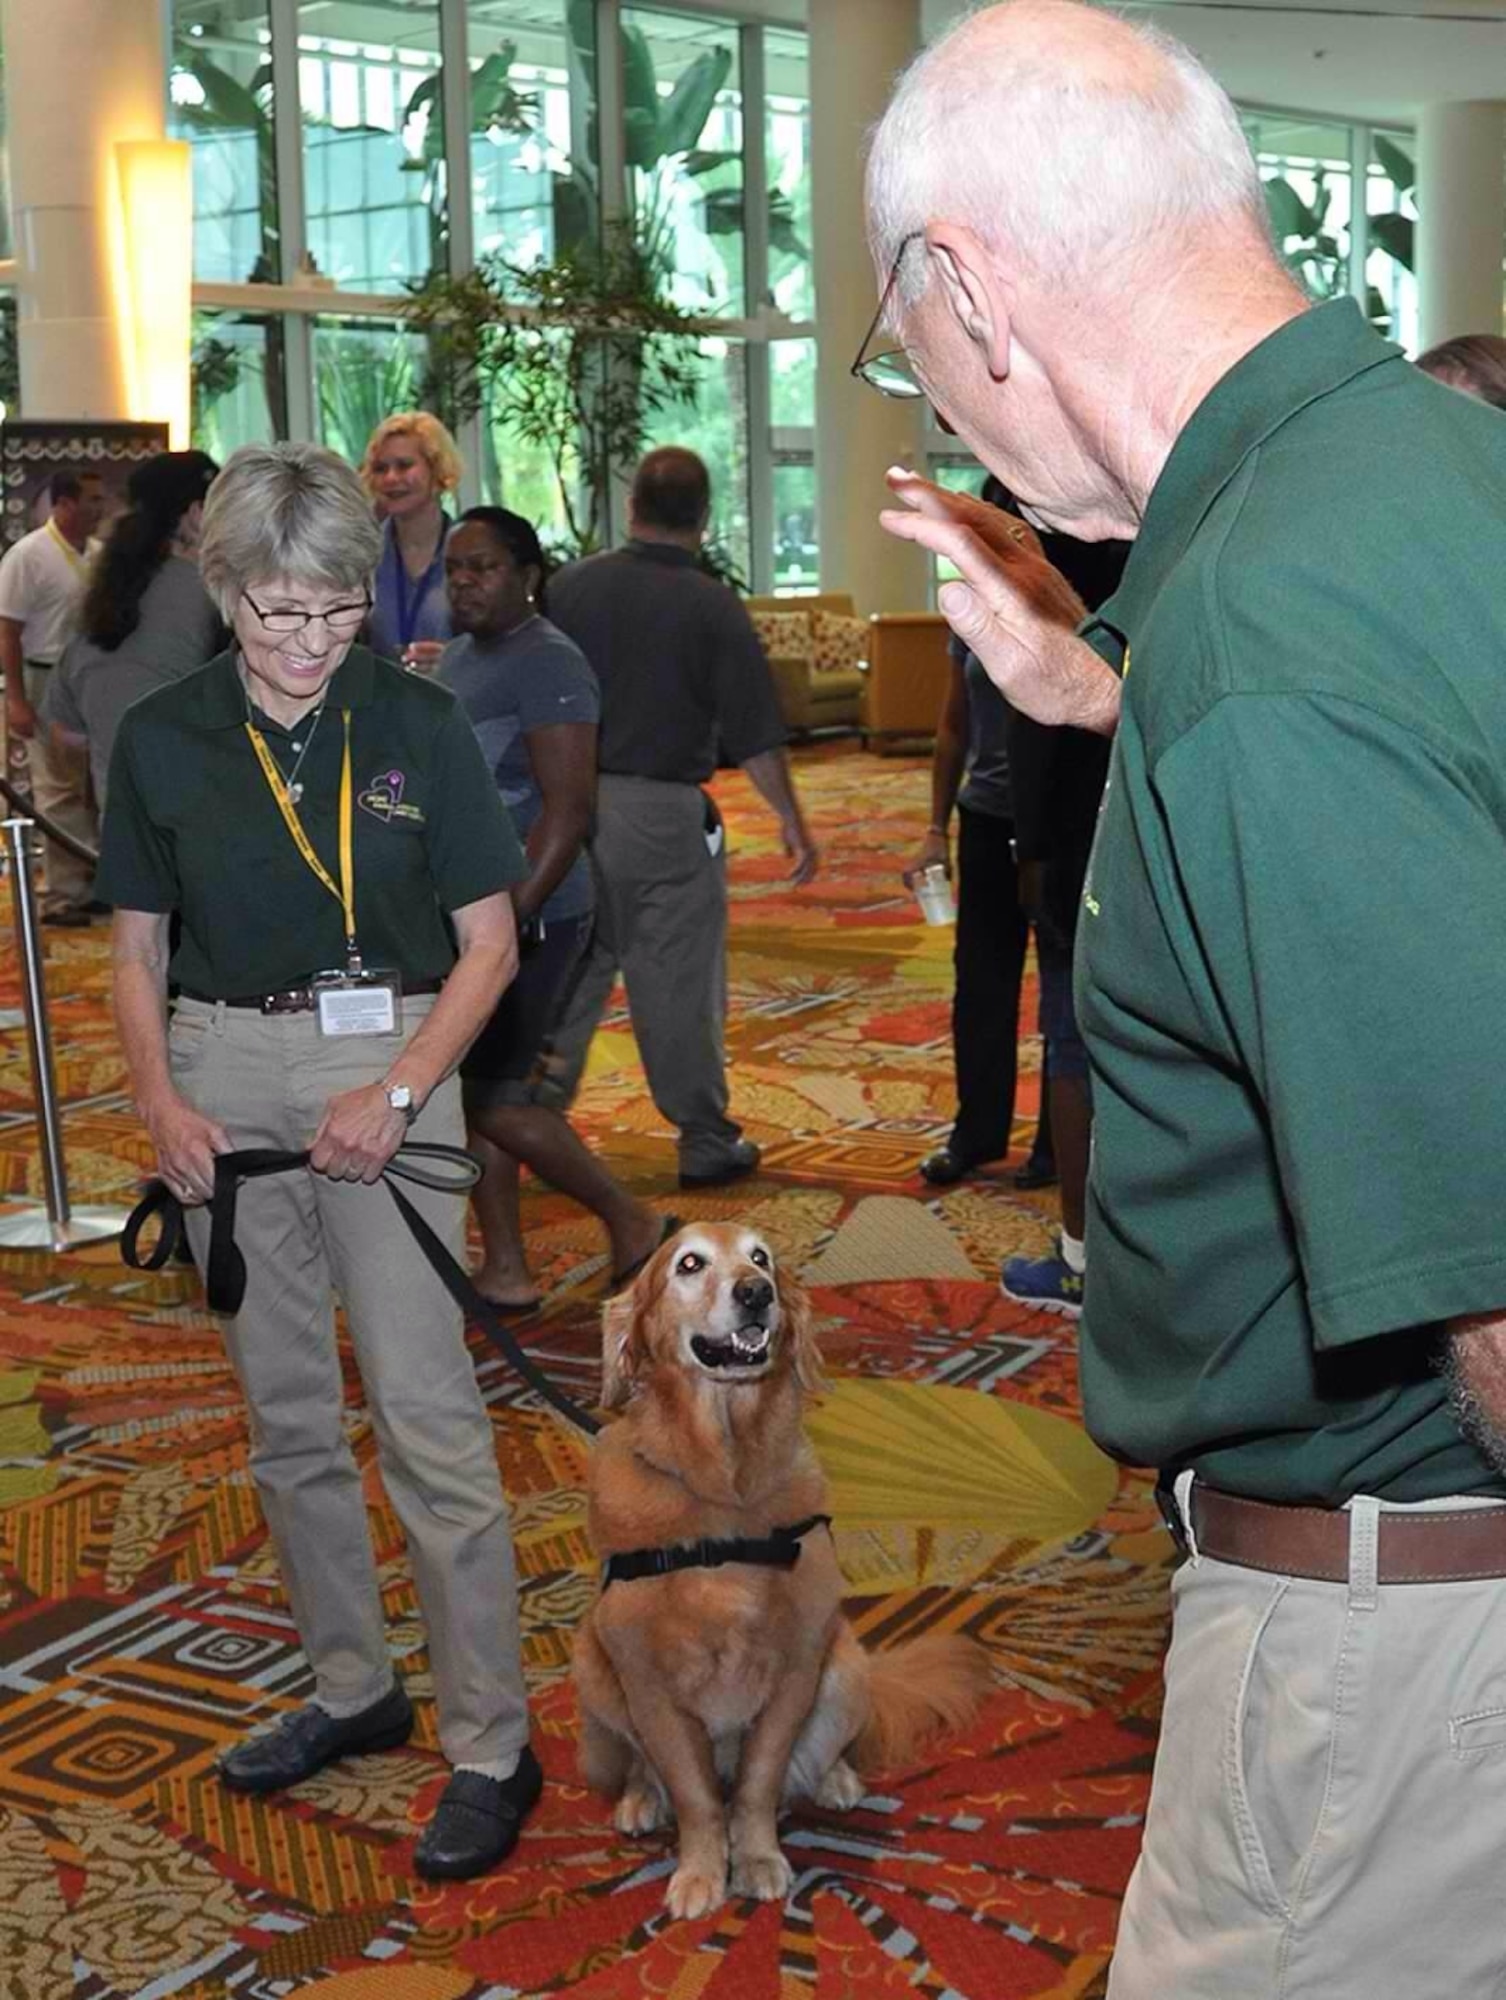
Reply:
x=61, y=1226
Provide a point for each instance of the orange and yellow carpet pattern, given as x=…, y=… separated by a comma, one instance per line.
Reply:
x=142, y=1626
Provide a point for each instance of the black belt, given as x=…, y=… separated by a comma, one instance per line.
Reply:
x=225, y=1267
x=292, y=999
x=779, y=1549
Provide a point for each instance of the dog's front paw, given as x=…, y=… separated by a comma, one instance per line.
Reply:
x=640, y=1810
x=766, y=1876
x=694, y=1890
x=841, y=1788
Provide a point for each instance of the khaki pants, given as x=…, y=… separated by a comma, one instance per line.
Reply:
x=1328, y=1815
x=661, y=920
x=267, y=1079
x=59, y=779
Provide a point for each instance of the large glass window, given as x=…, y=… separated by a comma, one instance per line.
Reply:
x=533, y=142
x=221, y=99
x=373, y=141
x=1391, y=265
x=1305, y=169
x=683, y=123
x=364, y=369
x=717, y=430
x=237, y=380
x=787, y=115
x=797, y=550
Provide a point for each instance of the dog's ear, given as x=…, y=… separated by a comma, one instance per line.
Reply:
x=795, y=1308
x=623, y=1347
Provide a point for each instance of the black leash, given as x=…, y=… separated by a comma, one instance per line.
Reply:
x=449, y=1170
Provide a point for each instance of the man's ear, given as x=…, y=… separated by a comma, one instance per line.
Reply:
x=963, y=267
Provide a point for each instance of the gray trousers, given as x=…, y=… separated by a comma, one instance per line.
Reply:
x=59, y=779
x=661, y=921
x=267, y=1079
x=1328, y=1814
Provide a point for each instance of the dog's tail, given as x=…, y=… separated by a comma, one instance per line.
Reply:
x=920, y=1692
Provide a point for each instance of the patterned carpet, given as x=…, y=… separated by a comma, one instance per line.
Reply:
x=142, y=1626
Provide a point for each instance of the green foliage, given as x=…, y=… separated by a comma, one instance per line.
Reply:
x=363, y=377
x=574, y=359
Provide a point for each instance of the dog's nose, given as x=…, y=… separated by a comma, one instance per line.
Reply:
x=754, y=1295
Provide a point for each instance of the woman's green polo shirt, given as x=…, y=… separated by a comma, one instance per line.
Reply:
x=1292, y=952
x=192, y=827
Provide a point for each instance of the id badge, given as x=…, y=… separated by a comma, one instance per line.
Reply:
x=359, y=1003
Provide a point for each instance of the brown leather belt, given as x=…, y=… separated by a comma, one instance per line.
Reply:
x=294, y=999
x=1451, y=1545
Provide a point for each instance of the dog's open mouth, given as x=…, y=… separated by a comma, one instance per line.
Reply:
x=748, y=1347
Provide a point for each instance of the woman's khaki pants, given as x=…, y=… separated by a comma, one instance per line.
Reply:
x=267, y=1079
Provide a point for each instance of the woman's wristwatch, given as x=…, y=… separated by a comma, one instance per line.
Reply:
x=400, y=1097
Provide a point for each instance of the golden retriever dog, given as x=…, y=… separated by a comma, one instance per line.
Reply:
x=718, y=1691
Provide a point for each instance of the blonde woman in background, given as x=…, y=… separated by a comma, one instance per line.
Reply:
x=411, y=463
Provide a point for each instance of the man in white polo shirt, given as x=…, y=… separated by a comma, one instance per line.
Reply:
x=42, y=582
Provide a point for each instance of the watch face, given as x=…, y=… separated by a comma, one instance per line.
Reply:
x=400, y=1097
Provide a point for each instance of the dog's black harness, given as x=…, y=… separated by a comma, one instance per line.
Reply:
x=778, y=1550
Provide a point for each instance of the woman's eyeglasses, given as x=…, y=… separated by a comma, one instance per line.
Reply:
x=340, y=618
x=888, y=370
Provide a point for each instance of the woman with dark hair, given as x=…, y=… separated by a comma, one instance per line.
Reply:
x=1474, y=364
x=533, y=702
x=147, y=619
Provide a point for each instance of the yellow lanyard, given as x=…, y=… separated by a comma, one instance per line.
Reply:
x=345, y=895
x=71, y=554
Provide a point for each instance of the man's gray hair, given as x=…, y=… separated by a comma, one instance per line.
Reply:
x=1068, y=147
x=294, y=511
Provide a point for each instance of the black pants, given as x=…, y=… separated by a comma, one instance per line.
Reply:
x=990, y=962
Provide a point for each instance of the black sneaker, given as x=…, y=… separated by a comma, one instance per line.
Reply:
x=477, y=1822
x=739, y=1163
x=308, y=1739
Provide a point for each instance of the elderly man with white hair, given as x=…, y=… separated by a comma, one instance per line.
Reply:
x=1290, y=966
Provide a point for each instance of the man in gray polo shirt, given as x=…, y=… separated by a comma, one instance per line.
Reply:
x=684, y=685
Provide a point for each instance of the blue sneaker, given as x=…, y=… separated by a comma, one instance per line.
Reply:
x=1047, y=1283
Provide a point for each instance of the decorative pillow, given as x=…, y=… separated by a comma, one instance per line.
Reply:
x=784, y=635
x=840, y=642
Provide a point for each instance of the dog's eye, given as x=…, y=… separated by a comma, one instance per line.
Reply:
x=760, y=1257
x=690, y=1263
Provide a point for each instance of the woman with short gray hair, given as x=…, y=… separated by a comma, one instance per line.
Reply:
x=321, y=824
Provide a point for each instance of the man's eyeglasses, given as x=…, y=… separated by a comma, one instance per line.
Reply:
x=340, y=618
x=888, y=369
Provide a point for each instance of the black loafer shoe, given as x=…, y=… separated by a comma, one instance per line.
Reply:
x=944, y=1168
x=740, y=1162
x=477, y=1822
x=1037, y=1172
x=308, y=1739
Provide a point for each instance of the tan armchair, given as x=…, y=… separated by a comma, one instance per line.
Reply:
x=814, y=647
x=908, y=673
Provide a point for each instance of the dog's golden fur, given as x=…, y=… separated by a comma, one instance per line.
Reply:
x=740, y=1676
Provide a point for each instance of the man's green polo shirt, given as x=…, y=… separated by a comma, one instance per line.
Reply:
x=1292, y=952
x=192, y=826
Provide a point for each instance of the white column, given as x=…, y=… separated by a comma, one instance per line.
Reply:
x=1461, y=219
x=80, y=75
x=857, y=48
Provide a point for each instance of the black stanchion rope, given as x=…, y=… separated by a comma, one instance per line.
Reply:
x=26, y=808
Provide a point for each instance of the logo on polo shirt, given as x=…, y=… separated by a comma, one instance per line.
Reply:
x=383, y=799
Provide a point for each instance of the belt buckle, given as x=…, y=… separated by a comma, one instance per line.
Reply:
x=291, y=1000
